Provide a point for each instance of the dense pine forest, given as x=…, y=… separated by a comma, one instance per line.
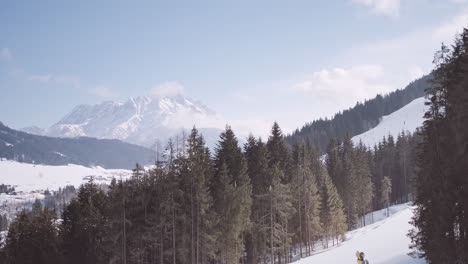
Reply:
x=247, y=204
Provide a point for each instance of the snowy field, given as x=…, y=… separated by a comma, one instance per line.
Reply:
x=27, y=178
x=30, y=181
x=384, y=242
x=407, y=118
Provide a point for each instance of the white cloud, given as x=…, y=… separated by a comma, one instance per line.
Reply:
x=355, y=83
x=104, y=92
x=6, y=53
x=168, y=89
x=446, y=31
x=382, y=7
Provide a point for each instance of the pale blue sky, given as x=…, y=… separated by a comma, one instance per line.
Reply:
x=252, y=62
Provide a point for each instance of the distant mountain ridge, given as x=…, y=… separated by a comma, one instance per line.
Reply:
x=144, y=120
x=360, y=118
x=107, y=153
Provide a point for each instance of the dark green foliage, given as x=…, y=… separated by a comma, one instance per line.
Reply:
x=278, y=153
x=307, y=201
x=84, y=226
x=236, y=207
x=332, y=215
x=441, y=221
x=33, y=238
x=258, y=171
x=364, y=186
x=281, y=210
x=231, y=189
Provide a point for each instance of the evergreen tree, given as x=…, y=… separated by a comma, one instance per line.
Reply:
x=258, y=171
x=385, y=194
x=351, y=184
x=33, y=237
x=306, y=221
x=332, y=215
x=441, y=196
x=278, y=154
x=84, y=226
x=198, y=202
x=364, y=186
x=231, y=189
x=280, y=211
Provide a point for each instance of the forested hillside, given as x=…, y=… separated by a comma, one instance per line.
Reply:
x=360, y=118
x=23, y=147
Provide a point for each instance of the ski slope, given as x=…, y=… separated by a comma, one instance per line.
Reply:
x=407, y=118
x=384, y=242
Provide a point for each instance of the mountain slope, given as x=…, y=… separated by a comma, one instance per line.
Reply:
x=20, y=146
x=407, y=118
x=141, y=120
x=360, y=118
x=384, y=242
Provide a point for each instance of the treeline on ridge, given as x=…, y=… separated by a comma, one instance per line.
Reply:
x=360, y=118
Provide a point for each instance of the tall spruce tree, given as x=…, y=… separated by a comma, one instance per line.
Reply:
x=364, y=186
x=441, y=196
x=199, y=201
x=306, y=221
x=257, y=164
x=278, y=153
x=231, y=189
x=332, y=215
x=280, y=211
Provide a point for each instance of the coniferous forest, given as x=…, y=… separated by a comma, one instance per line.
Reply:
x=267, y=201
x=240, y=204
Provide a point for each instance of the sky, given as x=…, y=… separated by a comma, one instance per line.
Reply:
x=252, y=62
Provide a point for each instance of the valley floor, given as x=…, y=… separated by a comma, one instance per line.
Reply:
x=384, y=242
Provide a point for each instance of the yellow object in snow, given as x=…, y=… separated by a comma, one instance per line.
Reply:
x=360, y=257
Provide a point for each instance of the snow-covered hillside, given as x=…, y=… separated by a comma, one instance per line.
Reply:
x=407, y=118
x=31, y=181
x=140, y=120
x=384, y=242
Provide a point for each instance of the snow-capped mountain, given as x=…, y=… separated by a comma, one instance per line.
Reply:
x=140, y=120
x=407, y=119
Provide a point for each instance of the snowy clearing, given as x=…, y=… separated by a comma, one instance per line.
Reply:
x=384, y=242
